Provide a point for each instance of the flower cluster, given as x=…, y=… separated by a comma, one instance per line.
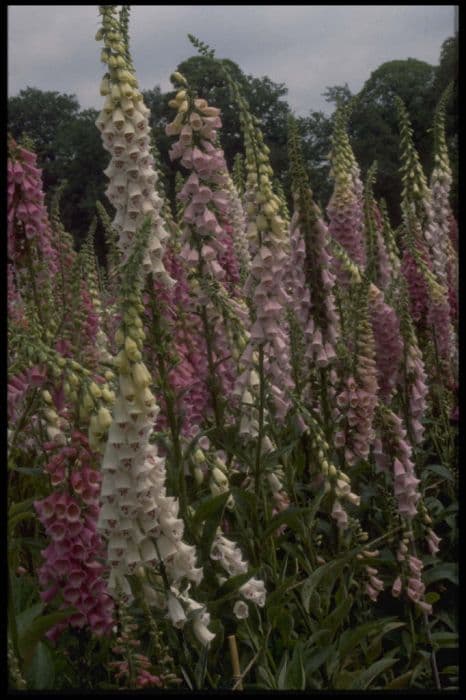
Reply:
x=28, y=218
x=229, y=556
x=384, y=264
x=126, y=646
x=417, y=390
x=139, y=521
x=207, y=245
x=18, y=386
x=179, y=603
x=317, y=316
x=238, y=223
x=388, y=342
x=444, y=258
x=124, y=125
x=69, y=516
x=417, y=285
x=358, y=400
x=412, y=581
x=268, y=346
x=374, y=585
x=187, y=375
x=393, y=452
x=345, y=209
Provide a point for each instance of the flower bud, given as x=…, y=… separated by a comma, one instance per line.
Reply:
x=46, y=396
x=177, y=77
x=95, y=390
x=104, y=417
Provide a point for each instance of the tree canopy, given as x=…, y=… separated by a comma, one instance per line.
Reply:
x=69, y=146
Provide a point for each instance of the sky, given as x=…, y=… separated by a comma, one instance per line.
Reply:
x=307, y=47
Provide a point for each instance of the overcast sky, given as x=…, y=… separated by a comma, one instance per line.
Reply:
x=52, y=47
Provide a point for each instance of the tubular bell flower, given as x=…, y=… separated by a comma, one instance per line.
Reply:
x=358, y=400
x=398, y=452
x=71, y=559
x=345, y=209
x=208, y=248
x=388, y=342
x=28, y=220
x=139, y=521
x=310, y=281
x=124, y=125
x=267, y=350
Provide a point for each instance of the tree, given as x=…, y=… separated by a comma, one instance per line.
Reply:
x=338, y=94
x=68, y=147
x=41, y=115
x=207, y=78
x=374, y=126
x=82, y=159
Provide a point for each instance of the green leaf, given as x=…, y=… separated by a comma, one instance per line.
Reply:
x=445, y=570
x=41, y=672
x=290, y=517
x=268, y=678
x=314, y=660
x=201, y=668
x=211, y=515
x=281, y=681
x=30, y=471
x=13, y=521
x=350, y=638
x=333, y=567
x=34, y=632
x=320, y=638
x=440, y=470
x=26, y=617
x=187, y=678
x=399, y=682
x=344, y=680
x=208, y=507
x=283, y=621
x=234, y=583
x=445, y=639
x=21, y=507
x=366, y=677
x=337, y=616
x=275, y=598
x=295, y=677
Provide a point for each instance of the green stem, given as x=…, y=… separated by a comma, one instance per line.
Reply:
x=12, y=619
x=257, y=473
x=170, y=410
x=433, y=658
x=22, y=421
x=210, y=361
x=32, y=278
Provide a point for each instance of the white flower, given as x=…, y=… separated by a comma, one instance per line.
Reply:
x=153, y=597
x=148, y=551
x=202, y=632
x=172, y=527
x=166, y=547
x=176, y=612
x=241, y=610
x=254, y=590
x=118, y=582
